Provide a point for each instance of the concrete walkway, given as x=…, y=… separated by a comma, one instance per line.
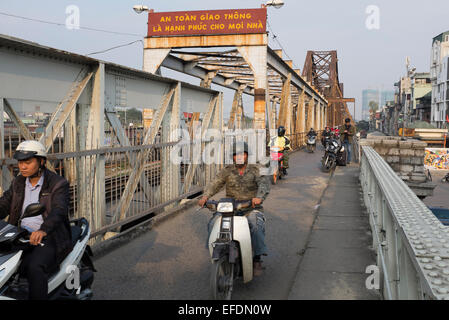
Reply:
x=339, y=247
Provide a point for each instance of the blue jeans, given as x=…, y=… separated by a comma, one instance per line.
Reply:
x=256, y=221
x=348, y=148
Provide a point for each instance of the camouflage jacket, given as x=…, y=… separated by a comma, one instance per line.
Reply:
x=240, y=187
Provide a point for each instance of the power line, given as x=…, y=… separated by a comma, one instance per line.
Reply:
x=275, y=37
x=119, y=46
x=63, y=25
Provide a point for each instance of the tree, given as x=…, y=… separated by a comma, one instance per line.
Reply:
x=132, y=115
x=373, y=106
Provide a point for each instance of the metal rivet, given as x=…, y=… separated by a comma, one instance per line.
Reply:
x=442, y=291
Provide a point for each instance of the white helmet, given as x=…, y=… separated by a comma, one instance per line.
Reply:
x=29, y=149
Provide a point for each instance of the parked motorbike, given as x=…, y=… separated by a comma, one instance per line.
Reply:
x=325, y=140
x=277, y=155
x=334, y=154
x=230, y=247
x=445, y=178
x=311, y=143
x=77, y=265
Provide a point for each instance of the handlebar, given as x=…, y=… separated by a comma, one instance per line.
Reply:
x=239, y=204
x=28, y=241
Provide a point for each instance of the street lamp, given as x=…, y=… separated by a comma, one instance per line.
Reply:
x=275, y=3
x=140, y=8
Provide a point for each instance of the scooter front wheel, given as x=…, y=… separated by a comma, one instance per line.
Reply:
x=222, y=279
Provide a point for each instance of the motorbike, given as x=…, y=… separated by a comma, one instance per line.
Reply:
x=325, y=140
x=334, y=154
x=311, y=143
x=230, y=247
x=277, y=155
x=445, y=178
x=71, y=281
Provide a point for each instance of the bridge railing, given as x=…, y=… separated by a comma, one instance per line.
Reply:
x=412, y=245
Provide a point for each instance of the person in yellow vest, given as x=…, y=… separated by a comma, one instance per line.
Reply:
x=284, y=143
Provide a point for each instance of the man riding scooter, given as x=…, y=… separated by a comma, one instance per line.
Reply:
x=327, y=133
x=243, y=182
x=36, y=184
x=282, y=142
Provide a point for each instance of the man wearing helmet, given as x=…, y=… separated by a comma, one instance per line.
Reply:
x=284, y=143
x=243, y=181
x=35, y=183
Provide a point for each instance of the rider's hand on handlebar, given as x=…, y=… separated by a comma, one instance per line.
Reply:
x=36, y=237
x=256, y=201
x=202, y=201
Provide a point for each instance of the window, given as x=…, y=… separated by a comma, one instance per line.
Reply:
x=446, y=38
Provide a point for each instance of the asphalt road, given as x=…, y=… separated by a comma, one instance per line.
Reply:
x=170, y=261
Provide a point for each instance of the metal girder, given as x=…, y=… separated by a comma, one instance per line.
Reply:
x=177, y=64
x=63, y=111
x=276, y=63
x=16, y=119
x=19, y=124
x=124, y=141
x=205, y=125
x=134, y=178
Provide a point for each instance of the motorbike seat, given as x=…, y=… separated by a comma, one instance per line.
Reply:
x=76, y=234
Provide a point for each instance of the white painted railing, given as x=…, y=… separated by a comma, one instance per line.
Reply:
x=412, y=245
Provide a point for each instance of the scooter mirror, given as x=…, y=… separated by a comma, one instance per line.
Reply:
x=33, y=210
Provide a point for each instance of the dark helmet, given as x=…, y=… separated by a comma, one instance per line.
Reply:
x=281, y=131
x=239, y=147
x=347, y=120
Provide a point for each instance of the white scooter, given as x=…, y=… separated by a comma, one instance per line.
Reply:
x=311, y=143
x=230, y=247
x=72, y=280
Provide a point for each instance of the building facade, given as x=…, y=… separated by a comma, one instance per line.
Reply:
x=439, y=75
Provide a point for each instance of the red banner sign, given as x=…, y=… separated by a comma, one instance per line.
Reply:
x=238, y=21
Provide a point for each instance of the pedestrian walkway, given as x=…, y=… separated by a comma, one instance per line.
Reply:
x=339, y=248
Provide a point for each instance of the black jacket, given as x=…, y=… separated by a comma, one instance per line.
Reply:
x=55, y=196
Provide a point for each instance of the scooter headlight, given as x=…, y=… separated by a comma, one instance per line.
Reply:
x=225, y=207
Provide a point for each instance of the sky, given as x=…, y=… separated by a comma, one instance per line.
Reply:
x=368, y=57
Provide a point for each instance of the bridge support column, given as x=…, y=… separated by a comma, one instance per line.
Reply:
x=235, y=119
x=5, y=175
x=317, y=116
x=301, y=118
x=91, y=173
x=153, y=58
x=285, y=109
x=170, y=175
x=310, y=114
x=256, y=57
